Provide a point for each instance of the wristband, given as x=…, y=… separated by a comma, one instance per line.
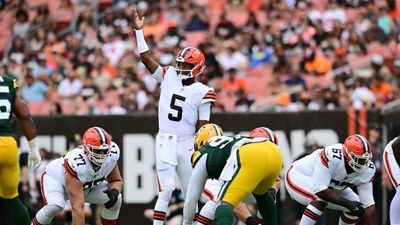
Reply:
x=141, y=42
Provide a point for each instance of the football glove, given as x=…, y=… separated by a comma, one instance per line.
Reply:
x=113, y=196
x=354, y=207
x=34, y=159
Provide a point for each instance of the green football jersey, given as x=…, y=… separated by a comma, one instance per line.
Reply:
x=8, y=90
x=218, y=150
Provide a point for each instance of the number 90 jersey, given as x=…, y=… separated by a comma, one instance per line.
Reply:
x=178, y=110
x=77, y=164
x=327, y=167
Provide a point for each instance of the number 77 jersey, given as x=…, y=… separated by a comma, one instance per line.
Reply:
x=178, y=110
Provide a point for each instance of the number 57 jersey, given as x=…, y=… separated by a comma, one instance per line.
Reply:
x=178, y=110
x=328, y=169
x=77, y=164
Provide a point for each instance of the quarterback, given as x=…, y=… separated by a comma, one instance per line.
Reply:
x=391, y=159
x=88, y=173
x=184, y=103
x=244, y=165
x=325, y=179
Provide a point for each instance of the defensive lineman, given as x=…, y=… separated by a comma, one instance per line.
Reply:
x=244, y=165
x=11, y=104
x=89, y=173
x=183, y=104
x=324, y=179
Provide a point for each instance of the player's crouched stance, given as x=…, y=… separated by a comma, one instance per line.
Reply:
x=244, y=165
x=89, y=173
x=325, y=179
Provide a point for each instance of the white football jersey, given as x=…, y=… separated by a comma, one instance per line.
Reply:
x=388, y=147
x=178, y=109
x=333, y=161
x=78, y=165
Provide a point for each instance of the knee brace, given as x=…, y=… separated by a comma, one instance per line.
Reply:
x=47, y=213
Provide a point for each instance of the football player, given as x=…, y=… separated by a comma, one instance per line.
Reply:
x=212, y=187
x=88, y=173
x=243, y=165
x=11, y=103
x=391, y=159
x=325, y=179
x=184, y=103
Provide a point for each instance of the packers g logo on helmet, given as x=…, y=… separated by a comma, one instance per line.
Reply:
x=205, y=133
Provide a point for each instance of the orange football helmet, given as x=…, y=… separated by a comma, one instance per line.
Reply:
x=190, y=62
x=357, y=151
x=97, y=143
x=264, y=132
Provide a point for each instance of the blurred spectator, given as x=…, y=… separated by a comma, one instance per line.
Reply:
x=234, y=84
x=21, y=25
x=382, y=90
x=196, y=20
x=232, y=58
x=225, y=28
x=70, y=86
x=34, y=90
x=316, y=63
x=362, y=96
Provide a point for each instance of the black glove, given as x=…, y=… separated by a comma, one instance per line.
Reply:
x=354, y=207
x=272, y=193
x=113, y=196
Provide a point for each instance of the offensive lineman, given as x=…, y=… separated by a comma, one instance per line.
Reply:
x=244, y=165
x=183, y=104
x=88, y=173
x=11, y=103
x=391, y=159
x=324, y=179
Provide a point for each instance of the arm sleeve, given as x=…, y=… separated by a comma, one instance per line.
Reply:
x=196, y=185
x=322, y=174
x=159, y=74
x=366, y=195
x=204, y=111
x=210, y=97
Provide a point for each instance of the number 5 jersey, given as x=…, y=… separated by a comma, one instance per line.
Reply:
x=178, y=110
x=77, y=164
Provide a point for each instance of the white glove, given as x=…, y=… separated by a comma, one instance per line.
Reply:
x=34, y=159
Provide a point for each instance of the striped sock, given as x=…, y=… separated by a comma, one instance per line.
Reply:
x=203, y=220
x=108, y=222
x=158, y=217
x=310, y=216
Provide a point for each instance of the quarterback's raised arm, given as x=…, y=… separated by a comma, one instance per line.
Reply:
x=196, y=185
x=145, y=55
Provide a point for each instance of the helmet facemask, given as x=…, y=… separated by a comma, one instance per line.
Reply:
x=358, y=163
x=186, y=70
x=99, y=155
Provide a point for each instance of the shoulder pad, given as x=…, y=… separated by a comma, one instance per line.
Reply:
x=76, y=162
x=195, y=158
x=114, y=151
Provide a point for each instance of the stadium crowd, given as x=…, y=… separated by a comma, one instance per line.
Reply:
x=78, y=57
